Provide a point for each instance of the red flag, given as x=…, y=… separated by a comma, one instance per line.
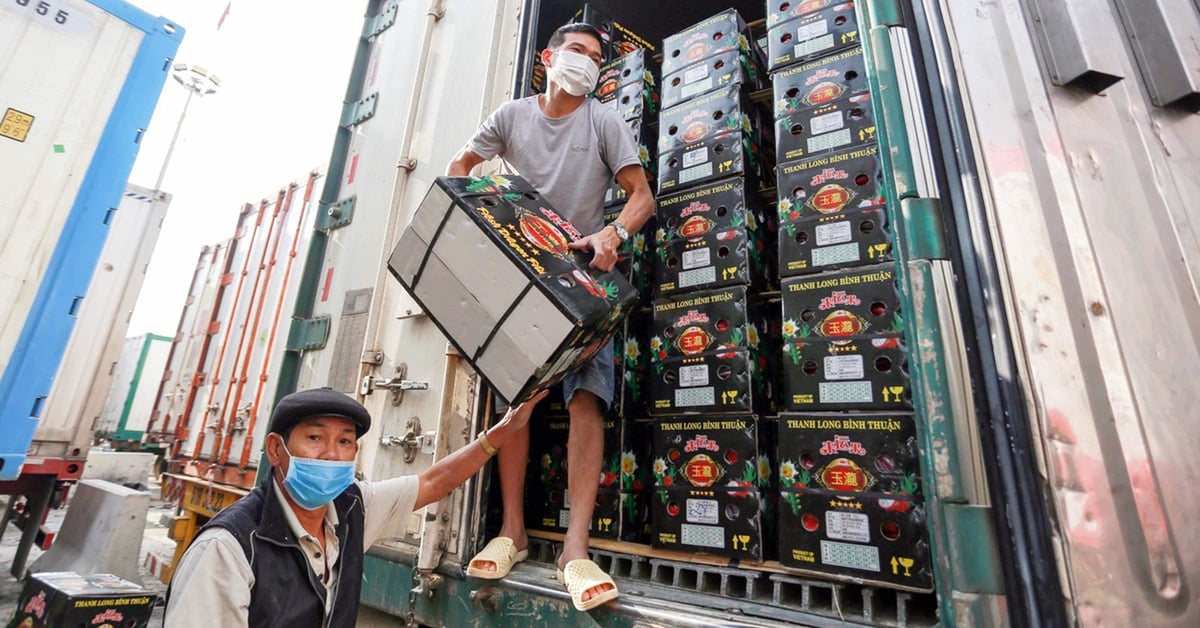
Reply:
x=224, y=15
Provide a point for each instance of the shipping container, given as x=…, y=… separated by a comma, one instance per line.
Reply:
x=79, y=84
x=220, y=378
x=136, y=377
x=1047, y=328
x=82, y=383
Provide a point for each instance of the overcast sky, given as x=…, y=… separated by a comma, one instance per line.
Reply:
x=283, y=68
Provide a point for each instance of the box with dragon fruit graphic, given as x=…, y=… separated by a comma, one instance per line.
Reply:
x=721, y=205
x=720, y=33
x=857, y=537
x=629, y=84
x=487, y=259
x=732, y=154
x=815, y=33
x=733, y=68
x=717, y=259
x=723, y=111
x=830, y=115
x=711, y=478
x=850, y=453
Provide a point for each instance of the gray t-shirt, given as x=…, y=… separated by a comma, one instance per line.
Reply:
x=570, y=160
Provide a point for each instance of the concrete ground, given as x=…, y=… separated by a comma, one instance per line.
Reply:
x=154, y=542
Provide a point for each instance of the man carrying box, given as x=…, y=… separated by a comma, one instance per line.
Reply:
x=568, y=146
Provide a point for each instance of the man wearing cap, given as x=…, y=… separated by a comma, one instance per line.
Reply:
x=290, y=552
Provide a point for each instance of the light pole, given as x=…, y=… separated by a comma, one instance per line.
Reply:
x=199, y=82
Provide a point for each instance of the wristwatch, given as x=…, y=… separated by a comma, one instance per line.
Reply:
x=622, y=232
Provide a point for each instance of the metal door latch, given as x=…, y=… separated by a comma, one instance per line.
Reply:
x=396, y=383
x=411, y=442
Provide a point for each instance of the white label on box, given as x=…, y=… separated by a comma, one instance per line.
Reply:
x=695, y=74
x=848, y=526
x=828, y=141
x=699, y=88
x=814, y=29
x=844, y=392
x=695, y=157
x=702, y=536
x=839, y=254
x=692, y=397
x=564, y=518
x=864, y=557
x=697, y=258
x=692, y=174
x=834, y=233
x=695, y=375
x=707, y=511
x=700, y=276
x=826, y=122
x=844, y=367
x=809, y=47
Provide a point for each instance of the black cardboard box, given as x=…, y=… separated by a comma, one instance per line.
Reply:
x=735, y=154
x=723, y=111
x=719, y=33
x=844, y=304
x=834, y=126
x=719, y=521
x=711, y=321
x=630, y=84
x=715, y=260
x=882, y=539
x=731, y=381
x=66, y=598
x=784, y=10
x=852, y=453
x=833, y=242
x=717, y=206
x=487, y=260
x=812, y=35
x=615, y=39
x=735, y=68
x=835, y=78
x=714, y=451
x=851, y=374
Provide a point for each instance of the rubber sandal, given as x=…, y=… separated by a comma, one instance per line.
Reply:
x=502, y=553
x=582, y=574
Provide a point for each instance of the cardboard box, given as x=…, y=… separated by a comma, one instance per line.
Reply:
x=833, y=242
x=722, y=111
x=732, y=381
x=735, y=68
x=712, y=321
x=717, y=206
x=784, y=10
x=835, y=126
x=881, y=539
x=836, y=78
x=636, y=262
x=719, y=33
x=66, y=598
x=846, y=304
x=713, y=452
x=487, y=259
x=852, y=374
x=853, y=453
x=715, y=521
x=615, y=39
x=812, y=35
x=714, y=260
x=629, y=83
x=735, y=154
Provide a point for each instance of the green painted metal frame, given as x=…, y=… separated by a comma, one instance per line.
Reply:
x=135, y=435
x=962, y=537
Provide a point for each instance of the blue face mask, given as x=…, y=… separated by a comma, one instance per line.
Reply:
x=314, y=483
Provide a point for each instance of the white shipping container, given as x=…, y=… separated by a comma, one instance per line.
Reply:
x=82, y=383
x=135, y=382
x=78, y=83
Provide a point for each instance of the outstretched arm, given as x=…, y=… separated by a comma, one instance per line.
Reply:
x=463, y=163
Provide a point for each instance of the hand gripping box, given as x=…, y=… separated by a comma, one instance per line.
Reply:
x=832, y=212
x=719, y=33
x=487, y=259
x=67, y=598
x=811, y=35
x=736, y=68
x=858, y=537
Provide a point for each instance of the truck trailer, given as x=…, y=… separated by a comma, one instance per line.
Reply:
x=1037, y=159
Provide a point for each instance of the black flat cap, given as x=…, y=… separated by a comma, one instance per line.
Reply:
x=306, y=404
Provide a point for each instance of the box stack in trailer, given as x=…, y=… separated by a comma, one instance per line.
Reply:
x=709, y=376
x=851, y=503
x=222, y=370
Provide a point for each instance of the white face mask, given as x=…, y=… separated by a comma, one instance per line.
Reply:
x=573, y=72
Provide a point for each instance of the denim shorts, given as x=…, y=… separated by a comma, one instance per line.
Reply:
x=595, y=376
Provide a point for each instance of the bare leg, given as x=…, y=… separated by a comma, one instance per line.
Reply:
x=585, y=456
x=511, y=459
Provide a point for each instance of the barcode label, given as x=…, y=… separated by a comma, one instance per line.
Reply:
x=698, y=277
x=828, y=141
x=840, y=254
x=695, y=74
x=809, y=47
x=834, y=233
x=848, y=526
x=826, y=122
x=695, y=375
x=844, y=392
x=697, y=258
x=702, y=536
x=698, y=88
x=692, y=397
x=695, y=157
x=864, y=557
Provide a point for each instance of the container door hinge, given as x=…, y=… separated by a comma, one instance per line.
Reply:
x=886, y=13
x=923, y=230
x=354, y=113
x=336, y=215
x=308, y=334
x=376, y=24
x=975, y=559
